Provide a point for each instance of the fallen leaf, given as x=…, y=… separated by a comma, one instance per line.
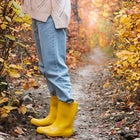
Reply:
x=131, y=104
x=26, y=86
x=4, y=115
x=19, y=130
x=9, y=108
x=22, y=109
x=138, y=109
x=106, y=85
x=3, y=100
x=18, y=92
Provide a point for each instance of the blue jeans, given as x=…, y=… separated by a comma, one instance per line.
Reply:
x=51, y=49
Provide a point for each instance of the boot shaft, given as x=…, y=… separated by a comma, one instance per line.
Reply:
x=66, y=113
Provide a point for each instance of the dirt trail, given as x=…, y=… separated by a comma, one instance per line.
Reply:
x=87, y=118
x=87, y=83
x=87, y=121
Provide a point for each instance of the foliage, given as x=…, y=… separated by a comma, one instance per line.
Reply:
x=127, y=45
x=18, y=58
x=12, y=22
x=78, y=43
x=97, y=18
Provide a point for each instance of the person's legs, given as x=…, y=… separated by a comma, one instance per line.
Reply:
x=53, y=51
x=39, y=52
x=50, y=118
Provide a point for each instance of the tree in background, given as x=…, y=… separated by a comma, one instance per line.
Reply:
x=78, y=43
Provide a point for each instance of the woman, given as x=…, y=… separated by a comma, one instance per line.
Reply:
x=50, y=18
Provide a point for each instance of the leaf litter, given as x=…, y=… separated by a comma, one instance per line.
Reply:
x=105, y=111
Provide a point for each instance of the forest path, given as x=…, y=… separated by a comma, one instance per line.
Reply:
x=87, y=84
x=87, y=121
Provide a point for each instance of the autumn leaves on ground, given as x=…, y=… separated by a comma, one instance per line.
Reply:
x=113, y=85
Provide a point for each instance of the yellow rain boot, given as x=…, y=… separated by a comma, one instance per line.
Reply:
x=63, y=125
x=51, y=116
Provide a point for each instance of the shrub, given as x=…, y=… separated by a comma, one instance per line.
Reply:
x=127, y=45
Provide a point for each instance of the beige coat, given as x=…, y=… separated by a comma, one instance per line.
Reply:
x=41, y=9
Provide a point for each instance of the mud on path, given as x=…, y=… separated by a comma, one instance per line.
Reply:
x=87, y=84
